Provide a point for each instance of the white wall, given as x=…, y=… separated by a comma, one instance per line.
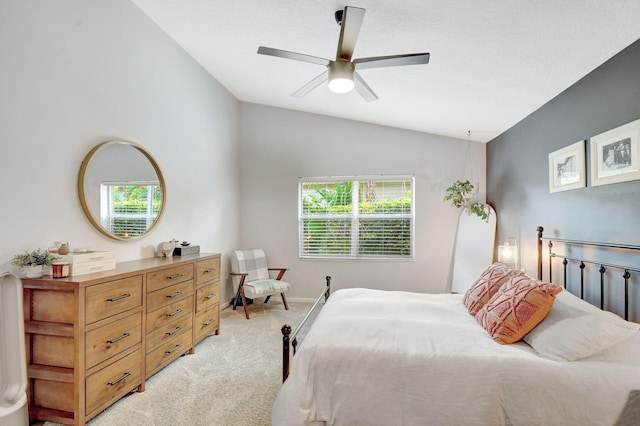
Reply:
x=74, y=73
x=279, y=146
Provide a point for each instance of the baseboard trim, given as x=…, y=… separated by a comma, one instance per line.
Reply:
x=289, y=299
x=301, y=299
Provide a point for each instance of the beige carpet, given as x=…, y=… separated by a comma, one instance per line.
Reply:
x=232, y=379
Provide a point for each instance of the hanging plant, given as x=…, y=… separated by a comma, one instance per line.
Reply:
x=461, y=193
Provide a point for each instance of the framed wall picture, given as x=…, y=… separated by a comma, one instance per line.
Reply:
x=615, y=156
x=567, y=168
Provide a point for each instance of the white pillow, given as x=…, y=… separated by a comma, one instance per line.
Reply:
x=574, y=329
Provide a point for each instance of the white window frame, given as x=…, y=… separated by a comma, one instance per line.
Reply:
x=355, y=216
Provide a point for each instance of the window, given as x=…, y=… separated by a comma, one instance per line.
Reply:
x=356, y=218
x=128, y=209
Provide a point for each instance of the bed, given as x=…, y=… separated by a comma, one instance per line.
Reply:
x=376, y=357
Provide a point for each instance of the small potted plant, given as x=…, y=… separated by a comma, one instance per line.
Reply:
x=461, y=193
x=33, y=262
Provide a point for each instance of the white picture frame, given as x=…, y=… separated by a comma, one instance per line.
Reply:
x=567, y=168
x=615, y=155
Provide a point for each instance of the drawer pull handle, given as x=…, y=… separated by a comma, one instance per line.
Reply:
x=173, y=277
x=170, y=351
x=112, y=341
x=175, y=330
x=176, y=294
x=211, y=296
x=209, y=322
x=208, y=271
x=176, y=312
x=119, y=379
x=115, y=299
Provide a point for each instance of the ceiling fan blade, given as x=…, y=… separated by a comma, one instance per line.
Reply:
x=262, y=50
x=352, y=18
x=392, y=61
x=363, y=89
x=311, y=85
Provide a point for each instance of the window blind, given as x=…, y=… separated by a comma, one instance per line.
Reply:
x=356, y=217
x=129, y=209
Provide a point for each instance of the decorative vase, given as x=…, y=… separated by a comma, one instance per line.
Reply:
x=34, y=271
x=63, y=249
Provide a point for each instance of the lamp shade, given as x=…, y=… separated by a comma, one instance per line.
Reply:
x=508, y=253
x=341, y=76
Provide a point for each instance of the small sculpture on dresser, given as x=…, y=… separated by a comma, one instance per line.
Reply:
x=167, y=248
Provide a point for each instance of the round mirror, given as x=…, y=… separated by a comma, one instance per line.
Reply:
x=121, y=189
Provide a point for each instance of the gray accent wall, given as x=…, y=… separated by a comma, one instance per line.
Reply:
x=517, y=164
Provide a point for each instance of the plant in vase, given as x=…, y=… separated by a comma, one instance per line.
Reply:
x=34, y=261
x=461, y=193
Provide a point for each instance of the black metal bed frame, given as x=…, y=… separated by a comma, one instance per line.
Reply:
x=626, y=275
x=290, y=340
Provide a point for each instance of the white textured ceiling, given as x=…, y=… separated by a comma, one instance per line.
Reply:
x=493, y=62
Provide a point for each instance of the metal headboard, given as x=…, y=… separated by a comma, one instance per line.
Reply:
x=626, y=275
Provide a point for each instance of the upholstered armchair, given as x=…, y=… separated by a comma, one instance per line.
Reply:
x=249, y=269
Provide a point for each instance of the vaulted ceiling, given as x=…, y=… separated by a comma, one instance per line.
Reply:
x=493, y=62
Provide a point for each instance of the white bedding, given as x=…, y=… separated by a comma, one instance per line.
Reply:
x=395, y=358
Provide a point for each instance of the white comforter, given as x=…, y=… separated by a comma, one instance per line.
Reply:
x=395, y=358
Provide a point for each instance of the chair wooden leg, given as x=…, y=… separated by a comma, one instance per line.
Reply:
x=235, y=299
x=284, y=300
x=244, y=303
x=267, y=299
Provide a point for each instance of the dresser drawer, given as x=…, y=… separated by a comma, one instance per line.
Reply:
x=113, y=297
x=168, y=313
x=207, y=270
x=164, y=277
x=111, y=339
x=88, y=268
x=167, y=352
x=207, y=322
x=113, y=382
x=167, y=295
x=169, y=331
x=207, y=296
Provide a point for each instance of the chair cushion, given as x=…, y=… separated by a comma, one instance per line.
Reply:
x=252, y=262
x=260, y=288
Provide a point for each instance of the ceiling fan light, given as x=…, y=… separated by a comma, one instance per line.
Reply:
x=341, y=76
x=341, y=85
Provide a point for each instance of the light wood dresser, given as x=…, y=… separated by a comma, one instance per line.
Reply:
x=91, y=339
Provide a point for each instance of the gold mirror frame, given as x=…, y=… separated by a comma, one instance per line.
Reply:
x=82, y=194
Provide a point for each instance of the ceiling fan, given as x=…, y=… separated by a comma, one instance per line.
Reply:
x=342, y=73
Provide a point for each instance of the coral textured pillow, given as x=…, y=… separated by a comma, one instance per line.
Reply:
x=486, y=286
x=517, y=308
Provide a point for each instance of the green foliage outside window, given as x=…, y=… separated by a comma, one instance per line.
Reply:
x=378, y=236
x=131, y=212
x=134, y=199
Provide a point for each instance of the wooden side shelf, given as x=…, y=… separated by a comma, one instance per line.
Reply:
x=48, y=328
x=47, y=372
